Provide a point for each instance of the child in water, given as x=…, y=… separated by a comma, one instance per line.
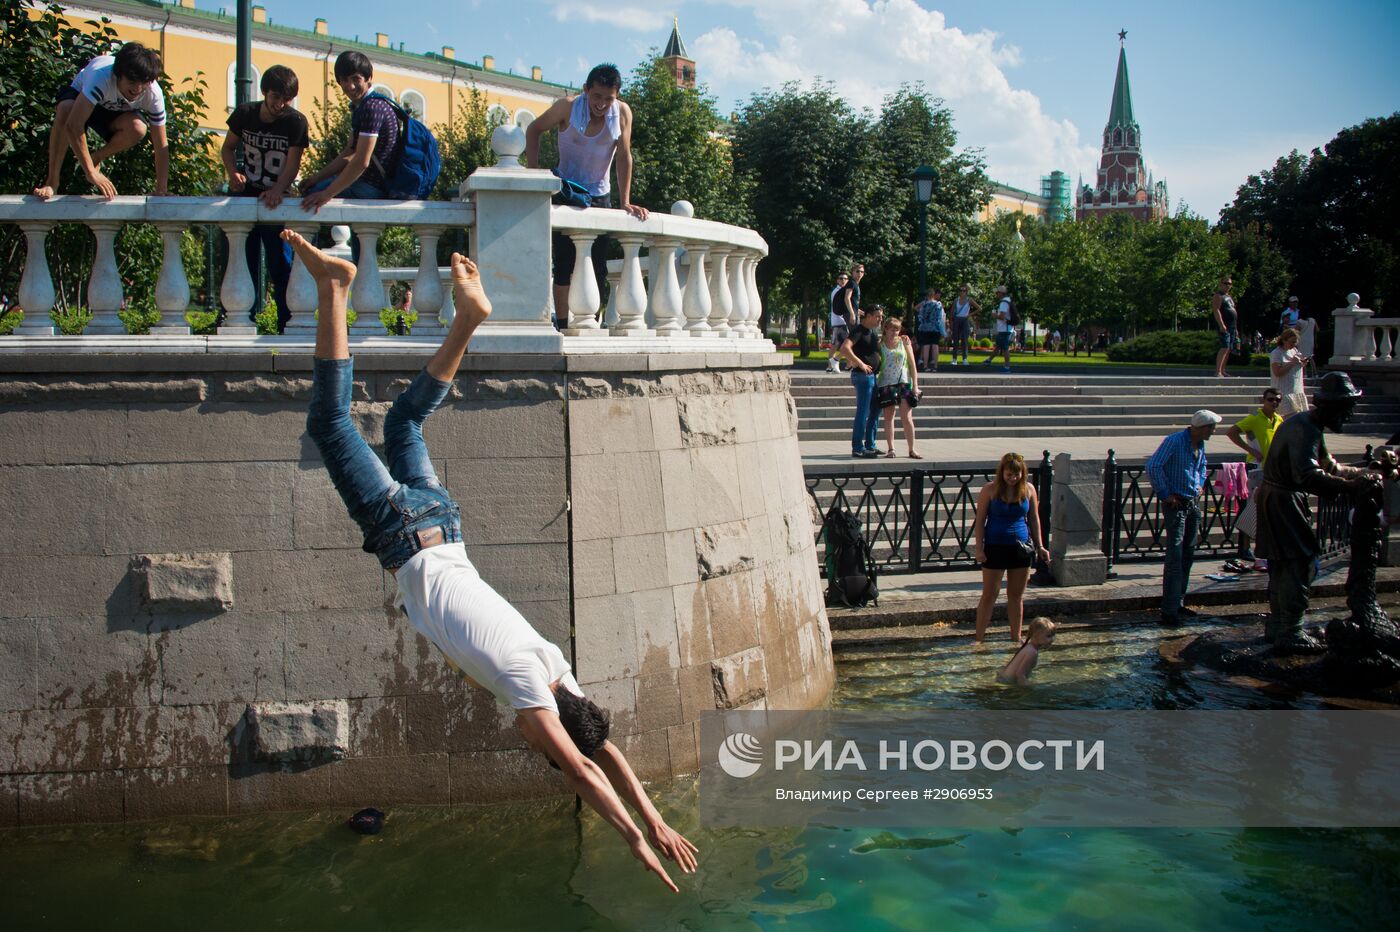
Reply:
x=1018, y=671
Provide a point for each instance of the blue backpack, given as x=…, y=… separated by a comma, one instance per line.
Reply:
x=415, y=172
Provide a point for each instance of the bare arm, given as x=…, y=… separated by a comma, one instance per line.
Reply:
x=228, y=153
x=623, y=163
x=1215, y=303
x=666, y=839
x=913, y=369
x=273, y=195
x=160, y=143
x=1237, y=438
x=979, y=524
x=76, y=131
x=1033, y=523
x=542, y=727
x=552, y=118
x=354, y=167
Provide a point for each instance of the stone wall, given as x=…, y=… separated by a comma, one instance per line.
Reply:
x=174, y=552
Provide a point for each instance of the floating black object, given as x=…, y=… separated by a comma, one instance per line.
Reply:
x=367, y=821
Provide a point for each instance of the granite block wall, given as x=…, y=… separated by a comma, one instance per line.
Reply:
x=173, y=552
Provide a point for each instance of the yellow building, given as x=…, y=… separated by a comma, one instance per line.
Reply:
x=1051, y=205
x=192, y=40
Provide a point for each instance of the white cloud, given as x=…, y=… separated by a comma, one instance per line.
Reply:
x=867, y=48
x=638, y=18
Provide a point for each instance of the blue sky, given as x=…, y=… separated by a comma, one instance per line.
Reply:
x=1221, y=89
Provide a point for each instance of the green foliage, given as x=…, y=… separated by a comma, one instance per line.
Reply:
x=1194, y=348
x=464, y=142
x=1262, y=277
x=1331, y=214
x=677, y=150
x=330, y=132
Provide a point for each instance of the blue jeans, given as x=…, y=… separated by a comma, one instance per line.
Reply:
x=867, y=415
x=279, y=268
x=1179, y=534
x=402, y=509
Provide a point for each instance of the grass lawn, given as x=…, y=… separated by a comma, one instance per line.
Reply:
x=817, y=359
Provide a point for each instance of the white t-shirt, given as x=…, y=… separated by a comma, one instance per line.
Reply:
x=837, y=320
x=1307, y=331
x=1004, y=316
x=479, y=631
x=1292, y=382
x=98, y=84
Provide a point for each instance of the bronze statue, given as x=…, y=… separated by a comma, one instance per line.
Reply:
x=1299, y=464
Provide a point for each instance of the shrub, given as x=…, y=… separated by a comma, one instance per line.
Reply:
x=1194, y=348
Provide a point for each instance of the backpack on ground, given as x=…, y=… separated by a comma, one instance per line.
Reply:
x=850, y=565
x=413, y=174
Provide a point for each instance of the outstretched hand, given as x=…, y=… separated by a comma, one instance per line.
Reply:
x=673, y=845
x=642, y=852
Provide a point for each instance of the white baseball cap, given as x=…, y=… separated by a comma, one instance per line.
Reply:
x=1203, y=417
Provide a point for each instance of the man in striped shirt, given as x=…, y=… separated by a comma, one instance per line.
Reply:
x=1178, y=474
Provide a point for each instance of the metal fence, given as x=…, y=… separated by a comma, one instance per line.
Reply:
x=920, y=520
x=1133, y=520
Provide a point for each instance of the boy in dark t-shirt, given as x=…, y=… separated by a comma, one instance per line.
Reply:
x=375, y=140
x=272, y=137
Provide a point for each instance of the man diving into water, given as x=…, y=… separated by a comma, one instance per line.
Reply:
x=413, y=526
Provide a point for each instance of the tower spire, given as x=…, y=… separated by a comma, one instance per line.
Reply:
x=1120, y=113
x=675, y=48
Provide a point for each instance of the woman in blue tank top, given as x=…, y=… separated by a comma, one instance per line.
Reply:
x=1008, y=536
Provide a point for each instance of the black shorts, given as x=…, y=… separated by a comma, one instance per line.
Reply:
x=929, y=337
x=1007, y=557
x=99, y=121
x=565, y=253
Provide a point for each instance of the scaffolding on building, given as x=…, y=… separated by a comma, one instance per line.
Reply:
x=1055, y=189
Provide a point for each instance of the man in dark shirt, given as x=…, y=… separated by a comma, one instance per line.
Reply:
x=375, y=140
x=272, y=137
x=850, y=296
x=862, y=351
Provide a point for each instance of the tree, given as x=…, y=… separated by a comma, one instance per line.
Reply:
x=1074, y=275
x=1331, y=213
x=679, y=151
x=1168, y=270
x=1262, y=278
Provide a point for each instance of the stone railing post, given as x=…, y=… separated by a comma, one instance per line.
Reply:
x=695, y=301
x=511, y=245
x=1349, y=344
x=721, y=301
x=237, y=293
x=631, y=292
x=428, y=294
x=301, y=289
x=664, y=304
x=367, y=293
x=105, y=283
x=36, y=294
x=172, y=287
x=1076, y=523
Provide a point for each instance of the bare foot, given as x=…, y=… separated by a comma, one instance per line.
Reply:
x=327, y=270
x=43, y=192
x=468, y=297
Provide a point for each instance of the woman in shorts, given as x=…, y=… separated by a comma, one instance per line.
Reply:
x=897, y=384
x=1008, y=538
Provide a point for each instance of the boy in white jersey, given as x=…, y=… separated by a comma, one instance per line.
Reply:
x=413, y=526
x=117, y=97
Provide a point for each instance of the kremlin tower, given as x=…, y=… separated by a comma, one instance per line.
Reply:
x=1123, y=185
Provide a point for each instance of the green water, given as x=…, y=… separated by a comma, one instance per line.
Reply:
x=537, y=866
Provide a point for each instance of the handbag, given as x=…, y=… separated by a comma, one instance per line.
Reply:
x=571, y=194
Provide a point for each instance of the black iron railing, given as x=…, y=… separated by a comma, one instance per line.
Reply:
x=1133, y=520
x=920, y=520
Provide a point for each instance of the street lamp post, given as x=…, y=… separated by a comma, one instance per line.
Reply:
x=925, y=179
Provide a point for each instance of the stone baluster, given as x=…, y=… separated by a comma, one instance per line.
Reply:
x=36, y=295
x=739, y=290
x=631, y=292
x=367, y=293
x=697, y=292
x=721, y=301
x=664, y=305
x=172, y=287
x=1384, y=348
x=105, y=283
x=301, y=289
x=583, y=289
x=755, y=302
x=610, y=316
x=237, y=293
x=1351, y=341
x=429, y=298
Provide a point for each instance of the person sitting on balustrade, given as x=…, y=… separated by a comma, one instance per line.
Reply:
x=414, y=527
